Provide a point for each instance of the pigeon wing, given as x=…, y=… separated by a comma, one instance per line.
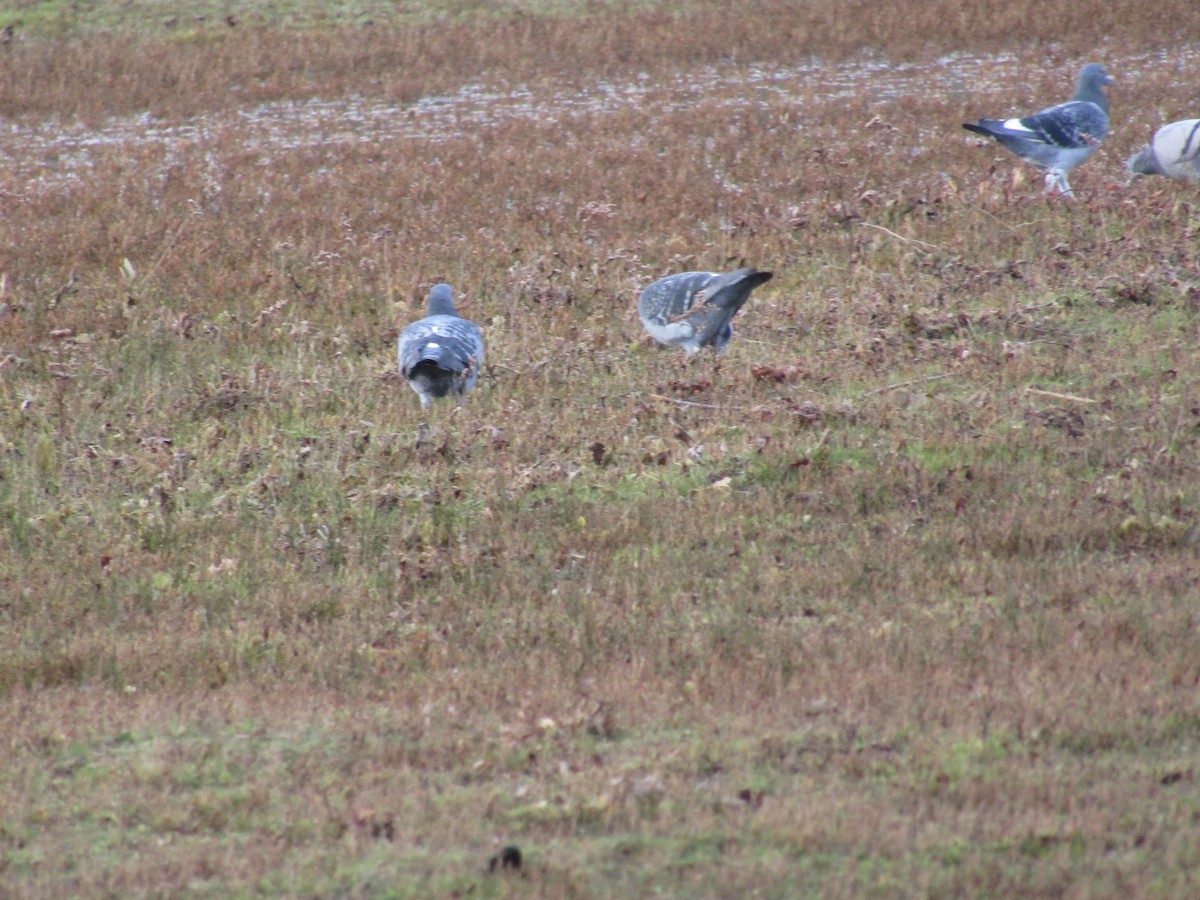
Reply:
x=668, y=298
x=694, y=309
x=668, y=308
x=1071, y=126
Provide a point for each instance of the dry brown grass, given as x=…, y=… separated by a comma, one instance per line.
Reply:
x=900, y=599
x=217, y=68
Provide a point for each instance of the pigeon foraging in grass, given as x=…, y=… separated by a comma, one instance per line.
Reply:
x=442, y=353
x=1061, y=137
x=693, y=309
x=1174, y=151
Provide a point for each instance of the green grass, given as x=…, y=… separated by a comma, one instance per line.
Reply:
x=897, y=598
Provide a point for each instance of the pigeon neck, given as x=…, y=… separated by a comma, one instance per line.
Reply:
x=1091, y=93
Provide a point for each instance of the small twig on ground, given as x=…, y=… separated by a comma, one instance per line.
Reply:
x=691, y=402
x=1043, y=341
x=532, y=370
x=1055, y=395
x=901, y=384
x=899, y=237
x=1004, y=224
x=68, y=288
x=170, y=245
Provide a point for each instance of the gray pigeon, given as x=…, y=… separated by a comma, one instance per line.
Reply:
x=693, y=309
x=1174, y=152
x=1061, y=137
x=442, y=353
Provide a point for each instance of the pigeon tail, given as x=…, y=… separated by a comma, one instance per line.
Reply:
x=983, y=128
x=440, y=372
x=733, y=290
x=440, y=358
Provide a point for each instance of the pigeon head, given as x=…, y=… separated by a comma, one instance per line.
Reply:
x=1094, y=74
x=1092, y=78
x=441, y=301
x=1144, y=162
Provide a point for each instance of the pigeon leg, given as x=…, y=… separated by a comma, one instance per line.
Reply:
x=1056, y=182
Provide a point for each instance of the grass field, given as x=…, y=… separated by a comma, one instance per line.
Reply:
x=901, y=597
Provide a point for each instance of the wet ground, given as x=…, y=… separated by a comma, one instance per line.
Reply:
x=51, y=154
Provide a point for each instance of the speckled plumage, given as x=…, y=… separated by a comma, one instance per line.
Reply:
x=693, y=309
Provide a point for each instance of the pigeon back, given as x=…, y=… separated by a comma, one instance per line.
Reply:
x=1174, y=152
x=442, y=353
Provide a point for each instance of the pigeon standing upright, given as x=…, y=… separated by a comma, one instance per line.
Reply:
x=693, y=309
x=1061, y=137
x=441, y=354
x=1174, y=152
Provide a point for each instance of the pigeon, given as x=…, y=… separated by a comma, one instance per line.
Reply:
x=1061, y=137
x=1174, y=152
x=442, y=353
x=693, y=309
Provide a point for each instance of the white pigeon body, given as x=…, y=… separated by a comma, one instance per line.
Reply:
x=1058, y=138
x=442, y=353
x=1174, y=152
x=694, y=309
